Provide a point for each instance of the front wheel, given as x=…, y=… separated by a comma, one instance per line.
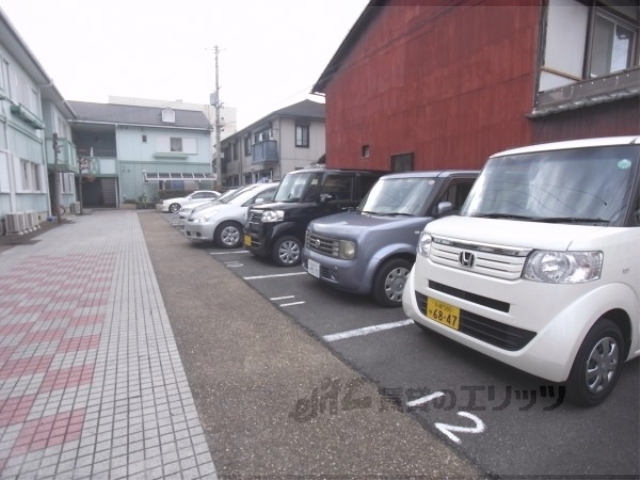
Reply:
x=287, y=251
x=597, y=365
x=389, y=282
x=174, y=207
x=228, y=235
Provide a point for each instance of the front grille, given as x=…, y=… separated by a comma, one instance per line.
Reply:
x=323, y=245
x=495, y=261
x=489, y=331
x=253, y=220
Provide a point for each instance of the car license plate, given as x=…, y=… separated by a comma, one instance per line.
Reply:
x=443, y=313
x=313, y=268
x=247, y=240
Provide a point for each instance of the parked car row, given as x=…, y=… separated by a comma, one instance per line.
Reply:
x=200, y=196
x=221, y=221
x=531, y=262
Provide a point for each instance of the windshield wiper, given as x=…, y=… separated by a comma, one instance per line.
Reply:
x=509, y=216
x=572, y=220
x=382, y=214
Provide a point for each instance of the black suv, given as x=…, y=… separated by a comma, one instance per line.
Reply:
x=277, y=229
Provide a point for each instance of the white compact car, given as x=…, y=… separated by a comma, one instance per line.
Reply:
x=172, y=205
x=222, y=223
x=197, y=205
x=541, y=269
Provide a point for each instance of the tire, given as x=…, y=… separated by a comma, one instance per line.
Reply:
x=287, y=251
x=228, y=235
x=174, y=207
x=597, y=365
x=389, y=282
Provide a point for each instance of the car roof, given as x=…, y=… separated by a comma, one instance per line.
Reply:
x=583, y=143
x=431, y=174
x=334, y=170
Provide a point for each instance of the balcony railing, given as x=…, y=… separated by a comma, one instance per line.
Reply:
x=67, y=159
x=616, y=86
x=265, y=152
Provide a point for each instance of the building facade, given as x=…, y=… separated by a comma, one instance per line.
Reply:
x=32, y=112
x=285, y=140
x=133, y=153
x=433, y=85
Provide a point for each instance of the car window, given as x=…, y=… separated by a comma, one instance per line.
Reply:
x=457, y=192
x=365, y=182
x=197, y=195
x=340, y=187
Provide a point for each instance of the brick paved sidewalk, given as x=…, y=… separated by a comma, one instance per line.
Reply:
x=91, y=382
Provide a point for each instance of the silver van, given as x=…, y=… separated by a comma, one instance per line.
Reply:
x=372, y=249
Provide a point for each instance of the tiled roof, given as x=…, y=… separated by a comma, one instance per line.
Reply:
x=136, y=115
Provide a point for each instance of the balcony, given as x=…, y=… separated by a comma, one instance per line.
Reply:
x=264, y=152
x=28, y=116
x=67, y=159
x=613, y=87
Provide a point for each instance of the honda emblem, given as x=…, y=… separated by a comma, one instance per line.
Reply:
x=466, y=259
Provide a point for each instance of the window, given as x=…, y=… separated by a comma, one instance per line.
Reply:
x=25, y=170
x=168, y=116
x=37, y=180
x=340, y=187
x=67, y=183
x=144, y=139
x=613, y=44
x=302, y=136
x=176, y=144
x=234, y=148
x=4, y=172
x=365, y=151
x=31, y=176
x=3, y=79
x=402, y=162
x=247, y=146
x=62, y=128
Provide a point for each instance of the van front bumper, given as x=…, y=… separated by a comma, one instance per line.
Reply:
x=347, y=275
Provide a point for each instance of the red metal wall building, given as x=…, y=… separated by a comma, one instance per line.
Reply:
x=450, y=84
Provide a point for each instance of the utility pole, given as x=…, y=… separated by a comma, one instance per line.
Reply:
x=56, y=179
x=217, y=104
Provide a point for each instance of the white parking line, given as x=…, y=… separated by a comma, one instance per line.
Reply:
x=289, y=304
x=428, y=398
x=274, y=299
x=366, y=330
x=260, y=277
x=229, y=253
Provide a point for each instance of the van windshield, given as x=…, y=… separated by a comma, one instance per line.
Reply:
x=584, y=185
x=298, y=187
x=398, y=196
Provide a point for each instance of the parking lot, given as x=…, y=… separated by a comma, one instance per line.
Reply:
x=504, y=421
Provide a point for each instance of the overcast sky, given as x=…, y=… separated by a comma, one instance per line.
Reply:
x=272, y=52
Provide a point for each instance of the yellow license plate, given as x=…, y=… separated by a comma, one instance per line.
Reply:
x=443, y=313
x=247, y=240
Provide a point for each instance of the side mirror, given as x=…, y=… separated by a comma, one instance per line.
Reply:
x=325, y=197
x=259, y=201
x=443, y=208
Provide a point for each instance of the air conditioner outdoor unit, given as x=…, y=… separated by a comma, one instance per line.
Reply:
x=34, y=221
x=28, y=219
x=75, y=208
x=16, y=223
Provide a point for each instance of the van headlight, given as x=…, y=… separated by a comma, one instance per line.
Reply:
x=347, y=249
x=270, y=216
x=424, y=244
x=563, y=267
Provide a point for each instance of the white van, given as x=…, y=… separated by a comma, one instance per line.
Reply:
x=541, y=269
